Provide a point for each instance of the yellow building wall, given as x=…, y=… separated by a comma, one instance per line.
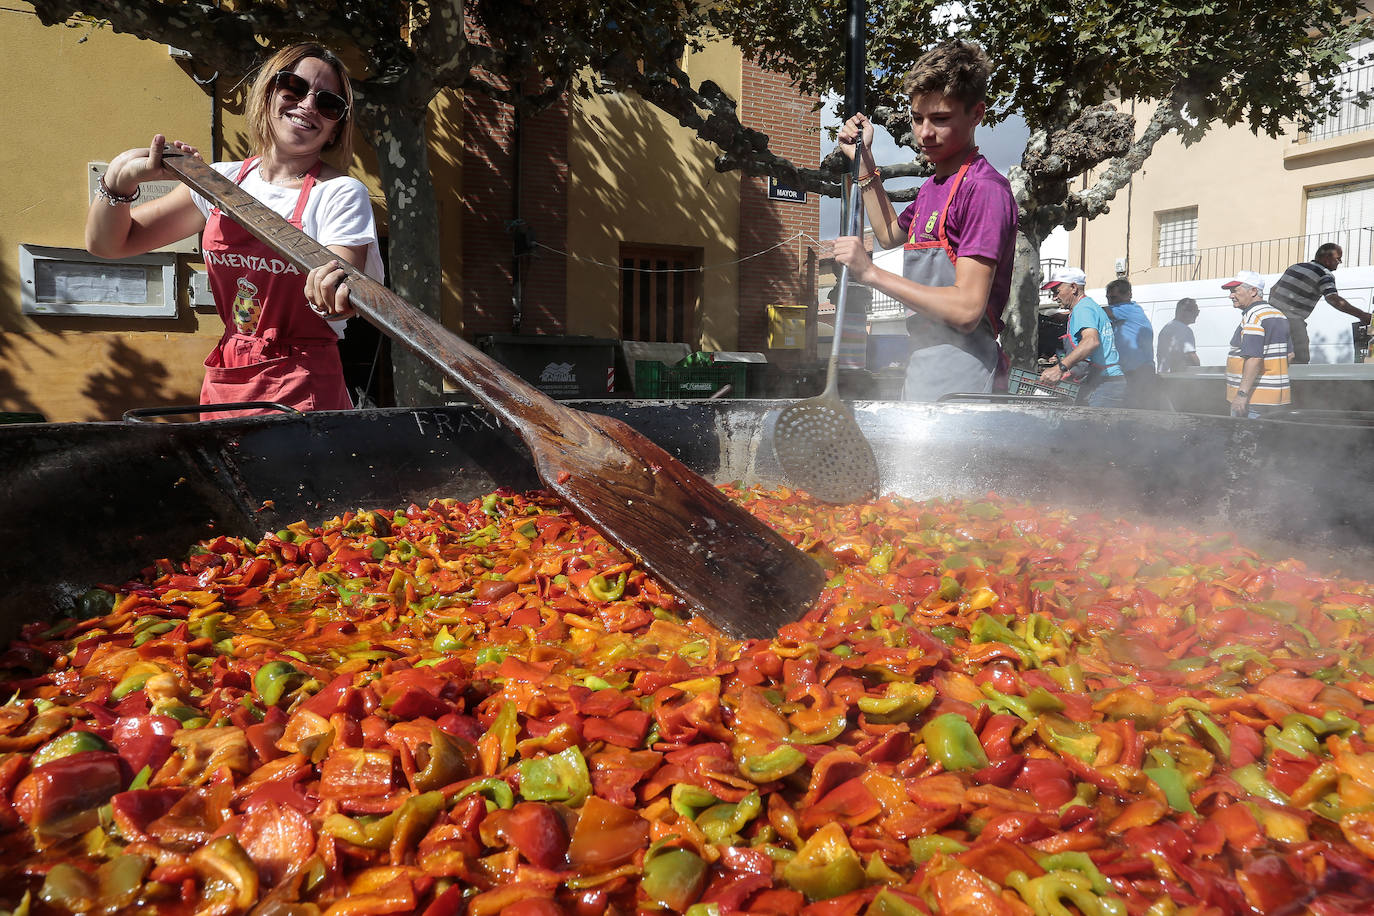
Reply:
x=64, y=103
x=637, y=176
x=1246, y=189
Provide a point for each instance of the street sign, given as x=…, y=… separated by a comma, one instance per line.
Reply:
x=780, y=191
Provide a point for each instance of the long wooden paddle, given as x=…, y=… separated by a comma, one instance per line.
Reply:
x=725, y=564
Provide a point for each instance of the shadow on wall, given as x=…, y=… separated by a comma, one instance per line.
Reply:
x=14, y=397
x=130, y=378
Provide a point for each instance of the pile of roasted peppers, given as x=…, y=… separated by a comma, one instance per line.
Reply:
x=482, y=708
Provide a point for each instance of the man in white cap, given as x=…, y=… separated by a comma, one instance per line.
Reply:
x=1094, y=342
x=1257, y=364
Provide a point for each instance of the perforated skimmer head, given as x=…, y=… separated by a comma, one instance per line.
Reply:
x=822, y=451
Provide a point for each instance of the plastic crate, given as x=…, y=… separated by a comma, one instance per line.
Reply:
x=1023, y=382
x=655, y=380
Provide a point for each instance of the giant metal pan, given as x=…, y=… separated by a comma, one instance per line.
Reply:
x=94, y=502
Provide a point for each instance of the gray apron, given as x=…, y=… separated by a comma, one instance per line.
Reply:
x=944, y=361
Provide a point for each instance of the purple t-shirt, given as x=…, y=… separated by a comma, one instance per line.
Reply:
x=981, y=223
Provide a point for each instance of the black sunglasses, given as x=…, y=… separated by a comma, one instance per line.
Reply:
x=330, y=105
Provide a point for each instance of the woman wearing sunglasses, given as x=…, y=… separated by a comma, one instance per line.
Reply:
x=282, y=329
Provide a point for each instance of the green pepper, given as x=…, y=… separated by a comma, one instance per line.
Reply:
x=703, y=909
x=833, y=729
x=602, y=589
x=275, y=679
x=889, y=904
x=152, y=631
x=673, y=878
x=1210, y=734
x=1045, y=894
x=447, y=764
x=408, y=822
x=528, y=529
x=1251, y=778
x=1070, y=677
x=902, y=702
x=494, y=654
x=70, y=888
x=1074, y=739
x=950, y=589
x=948, y=634
x=777, y=763
x=130, y=683
x=444, y=641
x=950, y=741
x=880, y=561
x=826, y=866
x=988, y=628
x=1284, y=611
x=723, y=822
x=121, y=880
x=561, y=777
x=1295, y=738
x=689, y=800
x=73, y=742
x=496, y=791
x=1079, y=862
x=1043, y=637
x=1001, y=702
x=489, y=504
x=925, y=848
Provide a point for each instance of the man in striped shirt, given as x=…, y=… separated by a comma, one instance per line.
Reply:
x=1257, y=364
x=1302, y=286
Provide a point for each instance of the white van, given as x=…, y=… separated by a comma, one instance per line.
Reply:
x=1328, y=329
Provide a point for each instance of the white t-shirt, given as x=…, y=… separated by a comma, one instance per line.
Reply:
x=338, y=212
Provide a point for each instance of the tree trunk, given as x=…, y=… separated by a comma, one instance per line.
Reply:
x=413, y=234
x=1021, y=338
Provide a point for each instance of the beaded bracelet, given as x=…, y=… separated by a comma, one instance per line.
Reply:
x=864, y=181
x=114, y=199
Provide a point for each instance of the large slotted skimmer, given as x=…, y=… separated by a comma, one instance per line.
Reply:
x=817, y=442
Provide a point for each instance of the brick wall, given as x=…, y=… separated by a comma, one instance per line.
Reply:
x=489, y=207
x=770, y=103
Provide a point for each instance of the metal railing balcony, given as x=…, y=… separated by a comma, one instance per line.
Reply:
x=1355, y=113
x=1270, y=255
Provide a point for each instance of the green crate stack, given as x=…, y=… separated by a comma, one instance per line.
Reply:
x=655, y=380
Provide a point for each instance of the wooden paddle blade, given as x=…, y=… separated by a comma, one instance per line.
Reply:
x=728, y=566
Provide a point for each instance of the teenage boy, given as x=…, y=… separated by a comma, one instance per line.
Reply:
x=959, y=234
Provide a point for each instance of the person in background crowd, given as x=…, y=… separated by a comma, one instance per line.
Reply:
x=1177, y=346
x=1301, y=287
x=1094, y=340
x=282, y=329
x=960, y=232
x=1257, y=364
x=1135, y=343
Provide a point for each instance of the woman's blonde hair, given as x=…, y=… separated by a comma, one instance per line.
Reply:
x=260, y=108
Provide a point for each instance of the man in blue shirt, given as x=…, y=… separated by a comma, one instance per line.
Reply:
x=1135, y=341
x=1094, y=341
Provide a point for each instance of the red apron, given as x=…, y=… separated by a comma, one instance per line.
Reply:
x=274, y=347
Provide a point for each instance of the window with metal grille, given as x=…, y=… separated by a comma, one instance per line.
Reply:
x=1176, y=237
x=659, y=287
